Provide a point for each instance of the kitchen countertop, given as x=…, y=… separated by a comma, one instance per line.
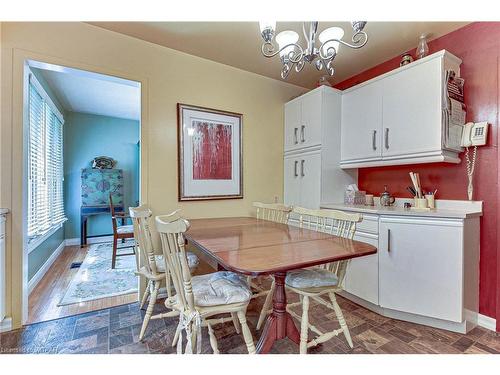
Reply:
x=455, y=211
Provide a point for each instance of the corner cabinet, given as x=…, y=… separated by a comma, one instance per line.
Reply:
x=312, y=172
x=397, y=118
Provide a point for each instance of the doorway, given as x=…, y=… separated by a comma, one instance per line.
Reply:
x=82, y=144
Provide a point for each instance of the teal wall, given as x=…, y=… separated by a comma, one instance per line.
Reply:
x=85, y=137
x=42, y=252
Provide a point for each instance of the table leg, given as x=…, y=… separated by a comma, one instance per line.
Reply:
x=279, y=324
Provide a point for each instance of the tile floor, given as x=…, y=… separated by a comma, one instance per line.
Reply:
x=116, y=330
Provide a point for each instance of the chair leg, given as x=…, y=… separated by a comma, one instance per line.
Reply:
x=247, y=335
x=340, y=318
x=149, y=311
x=145, y=295
x=266, y=307
x=235, y=322
x=115, y=247
x=304, y=325
x=213, y=339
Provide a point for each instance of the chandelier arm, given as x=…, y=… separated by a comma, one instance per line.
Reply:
x=269, y=50
x=359, y=39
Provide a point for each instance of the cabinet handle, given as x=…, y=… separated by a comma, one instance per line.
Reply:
x=302, y=162
x=388, y=240
x=374, y=140
x=302, y=133
x=295, y=137
x=387, y=138
x=295, y=174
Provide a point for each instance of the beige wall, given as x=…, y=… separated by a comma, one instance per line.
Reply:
x=168, y=77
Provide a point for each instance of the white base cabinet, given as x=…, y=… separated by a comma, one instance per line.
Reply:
x=426, y=269
x=421, y=263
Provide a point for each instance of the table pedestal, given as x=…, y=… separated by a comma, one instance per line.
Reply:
x=279, y=324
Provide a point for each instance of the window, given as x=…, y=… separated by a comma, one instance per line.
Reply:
x=45, y=163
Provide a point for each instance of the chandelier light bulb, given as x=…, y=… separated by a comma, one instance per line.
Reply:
x=267, y=29
x=329, y=34
x=285, y=38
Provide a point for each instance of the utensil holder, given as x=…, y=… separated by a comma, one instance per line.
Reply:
x=420, y=203
x=430, y=200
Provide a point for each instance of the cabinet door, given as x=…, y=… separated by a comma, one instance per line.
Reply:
x=361, y=277
x=310, y=127
x=292, y=124
x=310, y=180
x=361, y=133
x=291, y=193
x=420, y=267
x=412, y=110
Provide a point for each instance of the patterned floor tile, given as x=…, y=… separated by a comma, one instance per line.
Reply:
x=116, y=330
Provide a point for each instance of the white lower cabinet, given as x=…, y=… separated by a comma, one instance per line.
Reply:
x=361, y=277
x=421, y=267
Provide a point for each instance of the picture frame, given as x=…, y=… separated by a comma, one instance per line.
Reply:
x=210, y=157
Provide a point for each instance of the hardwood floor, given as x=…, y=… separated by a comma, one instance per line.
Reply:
x=43, y=300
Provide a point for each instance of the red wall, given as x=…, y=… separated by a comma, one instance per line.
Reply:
x=478, y=45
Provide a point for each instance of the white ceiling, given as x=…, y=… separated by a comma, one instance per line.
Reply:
x=239, y=43
x=93, y=93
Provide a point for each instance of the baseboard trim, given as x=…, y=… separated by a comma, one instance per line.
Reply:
x=90, y=241
x=45, y=267
x=486, y=322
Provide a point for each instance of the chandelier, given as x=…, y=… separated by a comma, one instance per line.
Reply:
x=293, y=55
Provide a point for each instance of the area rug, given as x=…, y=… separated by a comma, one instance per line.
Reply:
x=95, y=278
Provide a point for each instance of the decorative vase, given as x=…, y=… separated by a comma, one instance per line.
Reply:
x=422, y=48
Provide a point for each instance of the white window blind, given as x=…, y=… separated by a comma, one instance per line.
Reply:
x=45, y=169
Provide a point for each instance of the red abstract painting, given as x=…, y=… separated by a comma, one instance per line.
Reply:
x=212, y=151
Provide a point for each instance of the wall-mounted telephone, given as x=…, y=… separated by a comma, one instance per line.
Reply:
x=474, y=134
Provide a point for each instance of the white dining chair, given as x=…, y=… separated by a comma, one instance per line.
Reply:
x=151, y=265
x=327, y=279
x=278, y=213
x=199, y=298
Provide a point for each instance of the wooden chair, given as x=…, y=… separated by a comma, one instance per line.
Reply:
x=120, y=232
x=151, y=265
x=278, y=213
x=327, y=279
x=200, y=297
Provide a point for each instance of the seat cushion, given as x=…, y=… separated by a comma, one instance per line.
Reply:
x=192, y=259
x=220, y=288
x=125, y=229
x=310, y=278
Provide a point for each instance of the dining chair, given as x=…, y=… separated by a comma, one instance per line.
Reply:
x=278, y=213
x=151, y=265
x=326, y=279
x=199, y=298
x=120, y=231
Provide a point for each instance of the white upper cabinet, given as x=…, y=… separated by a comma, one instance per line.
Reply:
x=361, y=133
x=303, y=121
x=293, y=112
x=412, y=111
x=397, y=118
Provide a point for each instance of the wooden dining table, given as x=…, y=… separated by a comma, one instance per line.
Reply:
x=258, y=247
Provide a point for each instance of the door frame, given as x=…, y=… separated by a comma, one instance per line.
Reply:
x=19, y=252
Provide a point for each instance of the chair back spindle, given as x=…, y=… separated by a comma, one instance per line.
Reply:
x=145, y=255
x=172, y=228
x=333, y=222
x=275, y=212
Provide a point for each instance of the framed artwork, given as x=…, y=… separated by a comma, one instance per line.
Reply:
x=210, y=153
